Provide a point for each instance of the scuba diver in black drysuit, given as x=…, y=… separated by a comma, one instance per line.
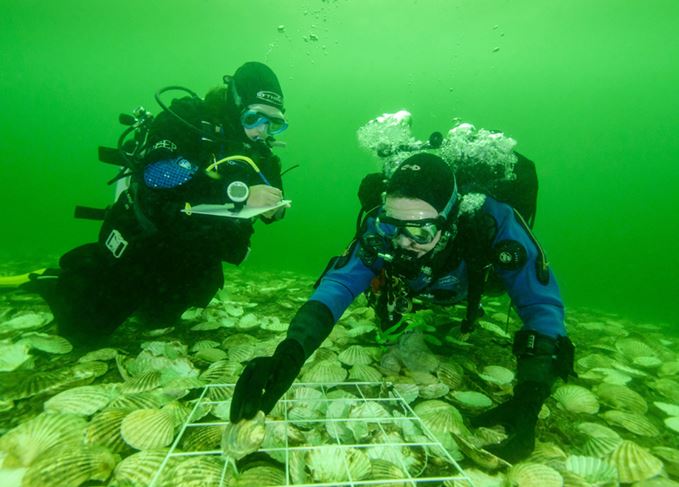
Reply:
x=152, y=258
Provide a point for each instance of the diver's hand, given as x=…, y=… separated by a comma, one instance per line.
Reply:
x=519, y=416
x=262, y=195
x=265, y=380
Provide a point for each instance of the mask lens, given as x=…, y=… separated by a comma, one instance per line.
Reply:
x=421, y=234
x=252, y=119
x=386, y=229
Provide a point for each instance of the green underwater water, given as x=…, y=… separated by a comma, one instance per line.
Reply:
x=588, y=89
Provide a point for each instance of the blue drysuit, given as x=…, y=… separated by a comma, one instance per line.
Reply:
x=538, y=304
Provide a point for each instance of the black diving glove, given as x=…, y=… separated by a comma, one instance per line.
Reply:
x=265, y=380
x=519, y=416
x=541, y=360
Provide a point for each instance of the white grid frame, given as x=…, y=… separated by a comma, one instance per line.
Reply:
x=393, y=397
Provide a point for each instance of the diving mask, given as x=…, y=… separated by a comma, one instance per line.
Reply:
x=251, y=119
x=421, y=232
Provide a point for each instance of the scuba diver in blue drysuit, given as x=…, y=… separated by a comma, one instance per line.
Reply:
x=428, y=241
x=152, y=259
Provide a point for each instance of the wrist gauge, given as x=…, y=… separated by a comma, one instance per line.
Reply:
x=238, y=191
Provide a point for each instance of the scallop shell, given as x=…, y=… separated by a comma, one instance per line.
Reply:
x=594, y=360
x=634, y=423
x=178, y=411
x=632, y=348
x=325, y=372
x=479, y=456
x=26, y=442
x=221, y=372
x=409, y=392
x=140, y=468
x=622, y=398
x=546, y=453
x=204, y=471
x=608, y=375
x=323, y=353
x=576, y=399
x=593, y=470
x=145, y=382
x=355, y=355
x=237, y=339
x=669, y=409
x=471, y=399
x=634, y=463
x=600, y=441
x=648, y=362
x=244, y=437
x=46, y=343
x=146, y=429
x=103, y=354
x=497, y=375
x=84, y=400
x=670, y=457
x=386, y=470
x=71, y=465
x=667, y=387
x=13, y=356
x=143, y=400
x=669, y=368
x=478, y=478
x=672, y=423
x=248, y=322
x=365, y=373
x=104, y=430
x=308, y=397
x=27, y=321
x=433, y=391
x=261, y=476
x=273, y=323
x=534, y=475
x=329, y=464
x=210, y=355
x=202, y=438
x=203, y=345
x=241, y=353
x=440, y=417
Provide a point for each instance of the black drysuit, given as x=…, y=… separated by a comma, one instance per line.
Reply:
x=151, y=258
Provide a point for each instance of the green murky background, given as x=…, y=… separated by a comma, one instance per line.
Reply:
x=589, y=90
